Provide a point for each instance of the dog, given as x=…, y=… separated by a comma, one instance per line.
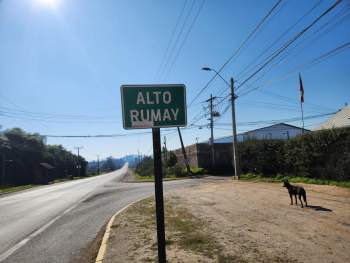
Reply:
x=295, y=190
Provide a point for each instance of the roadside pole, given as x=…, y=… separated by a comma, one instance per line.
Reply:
x=184, y=152
x=212, y=132
x=98, y=164
x=154, y=107
x=79, y=165
x=235, y=160
x=3, y=168
x=158, y=177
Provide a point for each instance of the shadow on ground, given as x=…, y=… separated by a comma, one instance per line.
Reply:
x=319, y=208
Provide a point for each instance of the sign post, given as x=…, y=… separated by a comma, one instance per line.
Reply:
x=158, y=187
x=155, y=107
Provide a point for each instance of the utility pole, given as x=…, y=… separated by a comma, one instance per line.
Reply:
x=165, y=150
x=235, y=158
x=98, y=164
x=79, y=165
x=184, y=151
x=211, y=119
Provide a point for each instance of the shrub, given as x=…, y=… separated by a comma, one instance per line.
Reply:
x=320, y=155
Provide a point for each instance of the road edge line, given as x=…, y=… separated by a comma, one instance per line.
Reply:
x=103, y=247
x=41, y=229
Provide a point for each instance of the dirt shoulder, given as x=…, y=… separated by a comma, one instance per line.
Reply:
x=131, y=177
x=230, y=221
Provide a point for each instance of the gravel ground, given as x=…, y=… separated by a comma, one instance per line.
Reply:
x=240, y=222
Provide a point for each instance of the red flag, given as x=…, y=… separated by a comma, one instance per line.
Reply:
x=301, y=90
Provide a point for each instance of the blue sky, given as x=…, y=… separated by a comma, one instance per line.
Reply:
x=62, y=64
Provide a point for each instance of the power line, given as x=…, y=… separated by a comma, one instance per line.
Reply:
x=236, y=52
x=278, y=120
x=309, y=64
x=313, y=62
x=288, y=43
x=173, y=47
x=171, y=39
x=51, y=115
x=322, y=30
x=186, y=37
x=279, y=38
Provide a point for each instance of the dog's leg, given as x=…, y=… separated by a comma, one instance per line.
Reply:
x=296, y=201
x=291, y=199
x=304, y=196
x=301, y=202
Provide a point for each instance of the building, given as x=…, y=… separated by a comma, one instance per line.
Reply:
x=339, y=120
x=280, y=131
x=199, y=154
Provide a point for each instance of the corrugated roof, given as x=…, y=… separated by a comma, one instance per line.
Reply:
x=339, y=120
x=228, y=139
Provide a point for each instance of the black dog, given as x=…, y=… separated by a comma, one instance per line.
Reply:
x=295, y=190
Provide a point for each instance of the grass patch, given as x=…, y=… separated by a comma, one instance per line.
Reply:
x=67, y=179
x=150, y=178
x=12, y=189
x=188, y=232
x=184, y=231
x=293, y=179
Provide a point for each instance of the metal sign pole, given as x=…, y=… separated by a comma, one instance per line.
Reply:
x=159, y=194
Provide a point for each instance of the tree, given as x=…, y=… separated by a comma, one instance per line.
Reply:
x=28, y=150
x=172, y=159
x=109, y=165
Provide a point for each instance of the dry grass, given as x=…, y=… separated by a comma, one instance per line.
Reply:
x=186, y=235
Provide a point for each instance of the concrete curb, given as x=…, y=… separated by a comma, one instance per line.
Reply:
x=103, y=248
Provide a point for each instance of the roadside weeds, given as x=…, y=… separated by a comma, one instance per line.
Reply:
x=185, y=235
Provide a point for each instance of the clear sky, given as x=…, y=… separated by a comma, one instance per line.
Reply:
x=62, y=63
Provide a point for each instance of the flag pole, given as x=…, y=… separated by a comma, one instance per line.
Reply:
x=301, y=89
x=302, y=116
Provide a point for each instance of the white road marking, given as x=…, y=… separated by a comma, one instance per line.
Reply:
x=14, y=248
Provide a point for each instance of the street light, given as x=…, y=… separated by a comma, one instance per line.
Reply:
x=235, y=161
x=217, y=73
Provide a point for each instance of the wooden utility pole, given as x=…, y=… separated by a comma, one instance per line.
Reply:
x=165, y=151
x=235, y=159
x=98, y=164
x=79, y=165
x=211, y=119
x=184, y=152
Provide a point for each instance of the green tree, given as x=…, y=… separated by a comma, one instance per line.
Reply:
x=172, y=160
x=109, y=165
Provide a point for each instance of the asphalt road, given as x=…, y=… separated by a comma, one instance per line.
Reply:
x=55, y=223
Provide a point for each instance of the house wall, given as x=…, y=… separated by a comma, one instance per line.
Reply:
x=191, y=152
x=275, y=132
x=199, y=155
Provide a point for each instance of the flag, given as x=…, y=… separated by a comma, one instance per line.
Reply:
x=301, y=89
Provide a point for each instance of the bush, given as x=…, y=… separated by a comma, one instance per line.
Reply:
x=145, y=167
x=178, y=171
x=319, y=155
x=198, y=171
x=172, y=160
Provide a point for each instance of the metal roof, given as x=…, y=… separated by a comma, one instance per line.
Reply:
x=229, y=138
x=339, y=120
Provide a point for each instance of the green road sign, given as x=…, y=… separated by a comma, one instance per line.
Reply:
x=153, y=106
